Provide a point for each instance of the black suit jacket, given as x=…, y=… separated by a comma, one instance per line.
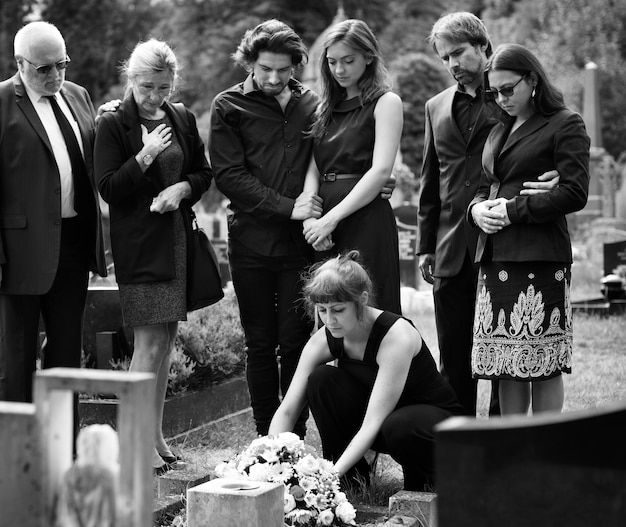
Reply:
x=449, y=181
x=30, y=204
x=539, y=228
x=142, y=242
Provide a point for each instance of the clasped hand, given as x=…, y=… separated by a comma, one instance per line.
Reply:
x=169, y=198
x=317, y=232
x=157, y=140
x=320, y=244
x=490, y=215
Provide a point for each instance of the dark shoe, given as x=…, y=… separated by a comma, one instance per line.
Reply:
x=159, y=471
x=174, y=458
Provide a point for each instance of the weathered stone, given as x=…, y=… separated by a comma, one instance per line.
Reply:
x=235, y=503
x=21, y=470
x=404, y=521
x=419, y=505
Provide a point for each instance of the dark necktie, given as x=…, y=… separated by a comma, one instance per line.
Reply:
x=82, y=194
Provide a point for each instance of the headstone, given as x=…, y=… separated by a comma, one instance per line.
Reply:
x=614, y=256
x=236, y=503
x=54, y=395
x=20, y=479
x=551, y=469
x=419, y=505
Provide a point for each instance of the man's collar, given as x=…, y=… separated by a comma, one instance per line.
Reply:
x=461, y=88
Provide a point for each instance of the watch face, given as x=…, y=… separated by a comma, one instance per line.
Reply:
x=147, y=159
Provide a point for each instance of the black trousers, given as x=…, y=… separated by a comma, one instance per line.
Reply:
x=276, y=328
x=455, y=300
x=338, y=403
x=61, y=309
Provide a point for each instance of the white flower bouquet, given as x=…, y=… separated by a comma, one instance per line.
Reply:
x=312, y=493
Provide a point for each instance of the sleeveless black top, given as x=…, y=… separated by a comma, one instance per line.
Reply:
x=424, y=384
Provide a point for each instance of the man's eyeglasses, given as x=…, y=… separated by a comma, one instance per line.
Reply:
x=44, y=69
x=507, y=91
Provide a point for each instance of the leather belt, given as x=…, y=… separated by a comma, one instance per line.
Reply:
x=332, y=176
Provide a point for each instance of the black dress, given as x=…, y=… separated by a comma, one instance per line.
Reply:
x=338, y=398
x=347, y=147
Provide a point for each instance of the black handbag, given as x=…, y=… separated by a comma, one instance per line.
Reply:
x=204, y=283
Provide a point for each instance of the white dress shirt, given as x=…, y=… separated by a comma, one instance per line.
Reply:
x=59, y=149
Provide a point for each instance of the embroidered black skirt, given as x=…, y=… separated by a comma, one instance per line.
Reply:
x=523, y=321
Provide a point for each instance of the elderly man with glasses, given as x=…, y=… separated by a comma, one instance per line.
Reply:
x=50, y=230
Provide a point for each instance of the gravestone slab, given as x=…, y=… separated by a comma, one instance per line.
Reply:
x=233, y=503
x=20, y=478
x=614, y=256
x=420, y=505
x=548, y=470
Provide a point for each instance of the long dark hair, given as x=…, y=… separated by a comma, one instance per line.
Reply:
x=548, y=99
x=374, y=82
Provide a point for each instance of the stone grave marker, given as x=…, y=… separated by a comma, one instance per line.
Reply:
x=564, y=469
x=614, y=256
x=227, y=502
x=21, y=467
x=54, y=394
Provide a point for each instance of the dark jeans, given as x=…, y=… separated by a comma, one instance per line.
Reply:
x=455, y=299
x=275, y=325
x=338, y=403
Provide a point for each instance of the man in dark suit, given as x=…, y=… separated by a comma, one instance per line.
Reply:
x=458, y=121
x=50, y=230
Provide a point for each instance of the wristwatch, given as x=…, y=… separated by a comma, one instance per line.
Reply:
x=147, y=160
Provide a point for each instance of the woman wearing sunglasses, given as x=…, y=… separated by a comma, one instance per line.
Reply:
x=523, y=320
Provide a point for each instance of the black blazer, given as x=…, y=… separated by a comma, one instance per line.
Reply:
x=539, y=229
x=142, y=242
x=30, y=204
x=449, y=181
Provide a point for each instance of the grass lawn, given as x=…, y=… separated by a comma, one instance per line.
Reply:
x=598, y=379
x=598, y=367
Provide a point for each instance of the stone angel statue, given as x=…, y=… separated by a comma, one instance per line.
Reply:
x=88, y=492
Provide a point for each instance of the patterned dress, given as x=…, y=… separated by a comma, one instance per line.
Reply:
x=523, y=321
x=160, y=302
x=348, y=148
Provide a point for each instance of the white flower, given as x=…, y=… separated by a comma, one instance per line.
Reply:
x=312, y=493
x=310, y=499
x=307, y=466
x=299, y=516
x=260, y=472
x=289, y=440
x=345, y=512
x=326, y=517
x=290, y=502
x=280, y=472
x=269, y=455
x=308, y=483
x=340, y=497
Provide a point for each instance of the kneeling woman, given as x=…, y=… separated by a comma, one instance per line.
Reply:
x=385, y=392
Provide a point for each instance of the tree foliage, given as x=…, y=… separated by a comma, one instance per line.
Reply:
x=418, y=77
x=565, y=34
x=13, y=14
x=99, y=34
